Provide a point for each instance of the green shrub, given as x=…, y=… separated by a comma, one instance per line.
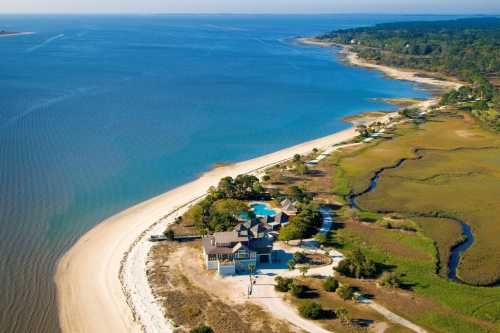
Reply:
x=357, y=265
x=169, y=233
x=298, y=290
x=390, y=279
x=311, y=310
x=330, y=284
x=345, y=292
x=343, y=315
x=321, y=238
x=299, y=257
x=282, y=284
x=202, y=329
x=291, y=264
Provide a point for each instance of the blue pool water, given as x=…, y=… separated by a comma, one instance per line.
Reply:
x=262, y=209
x=101, y=112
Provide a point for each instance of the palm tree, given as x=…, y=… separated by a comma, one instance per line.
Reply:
x=251, y=269
x=343, y=315
x=303, y=270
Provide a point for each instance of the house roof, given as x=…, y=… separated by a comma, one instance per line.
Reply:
x=251, y=235
x=289, y=206
x=228, y=237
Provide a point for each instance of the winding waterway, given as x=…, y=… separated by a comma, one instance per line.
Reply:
x=456, y=251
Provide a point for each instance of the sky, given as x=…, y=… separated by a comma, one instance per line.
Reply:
x=253, y=6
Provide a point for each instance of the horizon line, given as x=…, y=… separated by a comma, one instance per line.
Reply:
x=250, y=13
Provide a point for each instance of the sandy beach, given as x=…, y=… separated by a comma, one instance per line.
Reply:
x=89, y=293
x=395, y=73
x=101, y=285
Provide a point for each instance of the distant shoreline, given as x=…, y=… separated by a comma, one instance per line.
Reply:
x=353, y=59
x=14, y=34
x=101, y=284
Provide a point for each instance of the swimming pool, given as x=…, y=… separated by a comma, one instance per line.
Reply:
x=262, y=209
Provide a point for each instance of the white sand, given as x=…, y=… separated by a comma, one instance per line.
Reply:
x=89, y=293
x=91, y=297
x=395, y=73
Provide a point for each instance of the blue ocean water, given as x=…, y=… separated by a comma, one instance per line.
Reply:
x=100, y=112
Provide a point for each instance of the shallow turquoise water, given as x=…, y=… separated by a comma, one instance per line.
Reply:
x=100, y=112
x=262, y=209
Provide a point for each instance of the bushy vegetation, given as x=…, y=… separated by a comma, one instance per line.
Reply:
x=202, y=329
x=468, y=49
x=299, y=257
x=293, y=286
x=357, y=265
x=220, y=209
x=302, y=225
x=345, y=292
x=169, y=233
x=215, y=215
x=298, y=194
x=298, y=290
x=311, y=310
x=390, y=279
x=283, y=284
x=330, y=284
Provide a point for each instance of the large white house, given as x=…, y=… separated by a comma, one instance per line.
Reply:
x=231, y=252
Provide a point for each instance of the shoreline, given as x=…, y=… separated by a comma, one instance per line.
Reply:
x=88, y=276
x=101, y=281
x=395, y=73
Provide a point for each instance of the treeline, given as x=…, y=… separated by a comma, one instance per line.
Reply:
x=468, y=49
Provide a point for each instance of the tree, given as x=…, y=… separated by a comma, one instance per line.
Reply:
x=289, y=232
x=321, y=238
x=311, y=310
x=345, y=292
x=296, y=157
x=343, y=315
x=301, y=168
x=226, y=187
x=224, y=214
x=390, y=279
x=298, y=290
x=291, y=264
x=296, y=193
x=282, y=284
x=357, y=265
x=363, y=131
x=202, y=329
x=330, y=284
x=169, y=233
x=299, y=257
x=303, y=270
